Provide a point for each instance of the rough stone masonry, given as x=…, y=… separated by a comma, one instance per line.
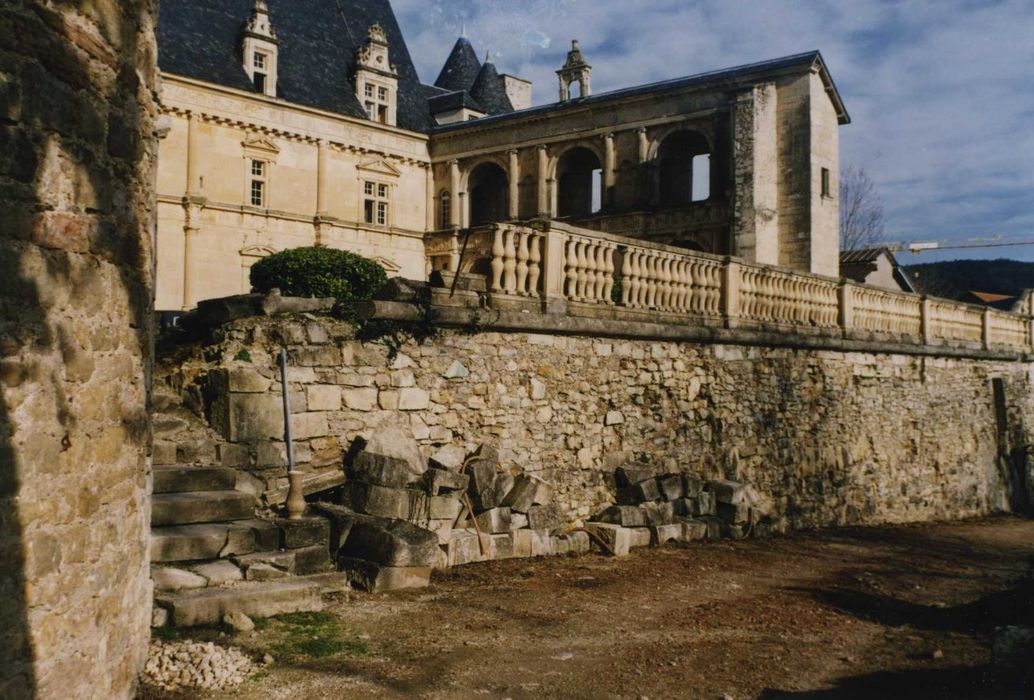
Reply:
x=825, y=437
x=77, y=146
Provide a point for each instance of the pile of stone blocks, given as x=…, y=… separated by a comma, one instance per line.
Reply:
x=653, y=510
x=402, y=515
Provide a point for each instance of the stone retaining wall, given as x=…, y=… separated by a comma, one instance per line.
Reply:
x=826, y=437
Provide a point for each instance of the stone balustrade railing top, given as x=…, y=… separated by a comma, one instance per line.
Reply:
x=560, y=268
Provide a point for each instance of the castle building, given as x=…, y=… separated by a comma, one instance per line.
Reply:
x=303, y=122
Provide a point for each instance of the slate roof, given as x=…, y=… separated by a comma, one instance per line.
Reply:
x=863, y=255
x=730, y=77
x=449, y=101
x=461, y=68
x=490, y=92
x=318, y=40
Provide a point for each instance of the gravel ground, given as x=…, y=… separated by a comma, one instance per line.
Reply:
x=890, y=612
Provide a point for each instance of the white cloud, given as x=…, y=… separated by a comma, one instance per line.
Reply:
x=940, y=93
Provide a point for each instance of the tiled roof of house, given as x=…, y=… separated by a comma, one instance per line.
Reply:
x=461, y=69
x=318, y=40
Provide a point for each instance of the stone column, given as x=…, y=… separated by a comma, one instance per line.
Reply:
x=731, y=292
x=541, y=192
x=514, y=176
x=191, y=232
x=454, y=193
x=194, y=186
x=643, y=152
x=430, y=223
x=609, y=168
x=322, y=178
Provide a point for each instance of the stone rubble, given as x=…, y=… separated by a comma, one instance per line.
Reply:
x=174, y=666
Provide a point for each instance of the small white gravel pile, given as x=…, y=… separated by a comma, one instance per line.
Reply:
x=203, y=665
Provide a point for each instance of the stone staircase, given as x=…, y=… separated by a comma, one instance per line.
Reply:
x=211, y=553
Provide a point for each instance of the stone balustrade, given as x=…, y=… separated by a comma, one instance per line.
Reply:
x=561, y=268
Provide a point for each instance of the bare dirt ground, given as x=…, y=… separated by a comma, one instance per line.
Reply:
x=862, y=613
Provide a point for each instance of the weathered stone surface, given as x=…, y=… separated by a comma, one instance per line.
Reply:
x=168, y=578
x=391, y=543
x=413, y=399
x=632, y=474
x=283, y=561
x=383, y=502
x=704, y=504
x=503, y=485
x=464, y=548
x=440, y=481
x=219, y=572
x=200, y=507
x=670, y=487
x=659, y=513
x=518, y=521
x=378, y=578
x=691, y=486
x=494, y=520
x=627, y=516
x=502, y=546
x=482, y=475
x=312, y=560
x=643, y=492
x=659, y=534
x=546, y=517
x=238, y=622
x=639, y=537
x=322, y=397
x=533, y=543
x=360, y=399
x=693, y=530
x=521, y=496
x=543, y=494
x=303, y=532
x=208, y=606
x=341, y=520
x=731, y=492
x=615, y=538
x=443, y=508
x=441, y=528
x=713, y=525
x=734, y=514
x=579, y=542
x=383, y=471
x=449, y=458
x=394, y=442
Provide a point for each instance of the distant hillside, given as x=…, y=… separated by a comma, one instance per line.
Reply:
x=951, y=279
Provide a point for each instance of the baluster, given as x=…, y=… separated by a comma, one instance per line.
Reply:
x=696, y=288
x=635, y=284
x=497, y=260
x=682, y=274
x=534, y=263
x=601, y=272
x=522, y=261
x=626, y=277
x=571, y=262
x=580, y=264
x=651, y=281
x=509, y=262
x=589, y=292
x=608, y=272
x=663, y=283
x=713, y=272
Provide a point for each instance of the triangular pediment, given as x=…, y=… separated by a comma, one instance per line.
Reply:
x=380, y=167
x=261, y=143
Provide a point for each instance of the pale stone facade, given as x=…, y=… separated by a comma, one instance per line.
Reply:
x=741, y=162
x=78, y=114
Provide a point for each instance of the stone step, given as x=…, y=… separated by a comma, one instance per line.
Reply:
x=179, y=478
x=201, y=507
x=207, y=606
x=212, y=540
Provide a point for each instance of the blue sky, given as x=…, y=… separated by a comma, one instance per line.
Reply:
x=941, y=94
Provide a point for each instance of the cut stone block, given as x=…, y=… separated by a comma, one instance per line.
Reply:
x=543, y=493
x=616, y=538
x=304, y=532
x=626, y=516
x=643, y=492
x=397, y=445
x=639, y=537
x=546, y=517
x=443, y=508
x=209, y=606
x=691, y=485
x=670, y=487
x=264, y=572
x=164, y=453
x=561, y=545
x=713, y=525
x=693, y=530
x=312, y=560
x=503, y=486
x=450, y=458
x=342, y=519
x=631, y=474
x=494, y=520
x=219, y=572
x=705, y=504
x=732, y=492
x=482, y=477
x=464, y=548
x=280, y=560
x=391, y=543
x=439, y=481
x=521, y=496
x=184, y=479
x=579, y=542
x=684, y=506
x=734, y=514
x=441, y=528
x=382, y=470
x=200, y=507
x=486, y=500
x=379, y=500
x=378, y=578
x=501, y=546
x=659, y=534
x=167, y=578
x=518, y=521
x=659, y=513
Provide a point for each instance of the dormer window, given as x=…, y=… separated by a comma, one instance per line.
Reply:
x=260, y=50
x=376, y=80
x=377, y=102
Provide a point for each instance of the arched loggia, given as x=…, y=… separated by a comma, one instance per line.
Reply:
x=684, y=169
x=579, y=183
x=487, y=191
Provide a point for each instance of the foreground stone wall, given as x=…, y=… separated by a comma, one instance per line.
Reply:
x=827, y=437
x=76, y=165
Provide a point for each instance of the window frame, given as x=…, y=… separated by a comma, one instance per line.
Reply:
x=377, y=101
x=376, y=203
x=261, y=179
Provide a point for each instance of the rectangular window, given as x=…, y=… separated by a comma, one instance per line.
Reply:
x=825, y=183
x=371, y=109
x=257, y=183
x=259, y=60
x=382, y=94
x=260, y=82
x=382, y=114
x=376, y=101
x=368, y=90
x=376, y=204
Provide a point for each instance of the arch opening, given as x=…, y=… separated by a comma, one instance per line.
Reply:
x=579, y=183
x=487, y=191
x=684, y=160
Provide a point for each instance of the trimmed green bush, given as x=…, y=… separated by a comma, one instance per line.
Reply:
x=318, y=272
